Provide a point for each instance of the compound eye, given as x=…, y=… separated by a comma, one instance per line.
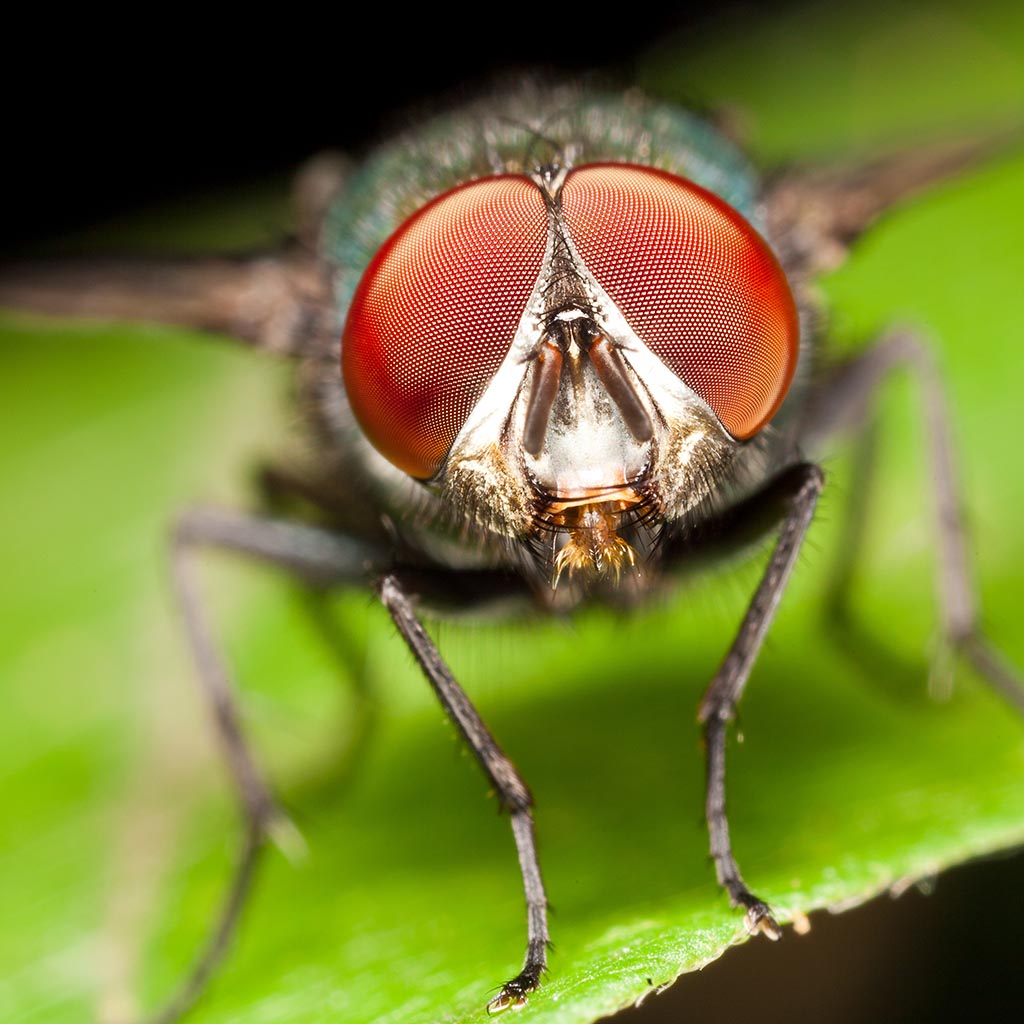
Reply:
x=694, y=280
x=435, y=314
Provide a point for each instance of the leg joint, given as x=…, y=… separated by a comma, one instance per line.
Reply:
x=515, y=796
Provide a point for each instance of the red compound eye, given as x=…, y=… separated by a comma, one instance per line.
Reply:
x=695, y=281
x=435, y=314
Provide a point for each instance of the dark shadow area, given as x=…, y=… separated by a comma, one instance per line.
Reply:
x=101, y=121
x=943, y=956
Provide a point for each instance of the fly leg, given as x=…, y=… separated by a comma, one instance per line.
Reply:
x=843, y=403
x=859, y=644
x=718, y=706
x=320, y=559
x=289, y=494
x=512, y=790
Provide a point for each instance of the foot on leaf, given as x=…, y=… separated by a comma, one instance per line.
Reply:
x=759, y=918
x=514, y=994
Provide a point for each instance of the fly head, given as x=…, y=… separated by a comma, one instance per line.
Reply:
x=570, y=357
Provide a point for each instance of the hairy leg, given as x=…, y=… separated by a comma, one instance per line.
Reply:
x=323, y=559
x=320, y=559
x=804, y=483
x=843, y=404
x=512, y=790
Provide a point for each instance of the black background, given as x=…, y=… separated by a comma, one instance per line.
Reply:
x=132, y=114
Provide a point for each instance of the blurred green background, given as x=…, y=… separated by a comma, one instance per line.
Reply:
x=118, y=826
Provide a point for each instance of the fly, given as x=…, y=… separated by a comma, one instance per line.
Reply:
x=538, y=366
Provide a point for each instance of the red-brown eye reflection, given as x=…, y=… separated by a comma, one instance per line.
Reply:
x=694, y=280
x=435, y=314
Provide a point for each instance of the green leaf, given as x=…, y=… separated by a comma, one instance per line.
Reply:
x=119, y=829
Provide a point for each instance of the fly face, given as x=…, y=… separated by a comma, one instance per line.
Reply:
x=571, y=358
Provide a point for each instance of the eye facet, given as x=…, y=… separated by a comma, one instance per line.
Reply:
x=694, y=280
x=436, y=312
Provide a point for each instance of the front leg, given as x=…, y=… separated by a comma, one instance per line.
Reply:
x=718, y=706
x=512, y=790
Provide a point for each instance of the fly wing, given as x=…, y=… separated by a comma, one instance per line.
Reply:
x=272, y=301
x=815, y=213
x=266, y=301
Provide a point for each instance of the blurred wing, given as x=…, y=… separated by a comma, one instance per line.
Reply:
x=815, y=213
x=266, y=301
x=272, y=301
